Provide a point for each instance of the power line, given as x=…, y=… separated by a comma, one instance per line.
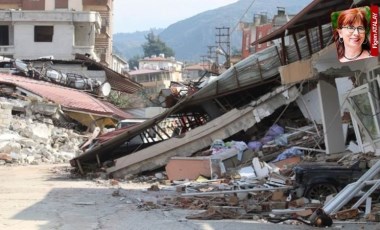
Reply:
x=237, y=24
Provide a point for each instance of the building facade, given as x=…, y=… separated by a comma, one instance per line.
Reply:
x=173, y=67
x=260, y=27
x=31, y=29
x=152, y=80
x=156, y=73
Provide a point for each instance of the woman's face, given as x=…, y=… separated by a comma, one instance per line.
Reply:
x=353, y=35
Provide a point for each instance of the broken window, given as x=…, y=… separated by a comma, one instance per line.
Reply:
x=363, y=104
x=4, y=36
x=43, y=33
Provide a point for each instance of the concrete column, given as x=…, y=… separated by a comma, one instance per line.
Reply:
x=331, y=117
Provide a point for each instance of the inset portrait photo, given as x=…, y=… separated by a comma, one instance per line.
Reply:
x=354, y=30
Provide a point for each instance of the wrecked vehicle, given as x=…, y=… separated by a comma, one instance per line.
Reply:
x=318, y=180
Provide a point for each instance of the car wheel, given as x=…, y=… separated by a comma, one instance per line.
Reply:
x=320, y=191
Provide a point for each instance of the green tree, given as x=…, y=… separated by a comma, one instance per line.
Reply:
x=154, y=46
x=134, y=62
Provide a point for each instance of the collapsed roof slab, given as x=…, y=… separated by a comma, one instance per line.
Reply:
x=70, y=100
x=230, y=123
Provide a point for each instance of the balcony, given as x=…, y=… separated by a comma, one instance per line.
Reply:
x=50, y=16
x=7, y=50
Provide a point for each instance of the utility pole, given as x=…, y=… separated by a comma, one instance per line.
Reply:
x=223, y=44
x=204, y=59
x=211, y=53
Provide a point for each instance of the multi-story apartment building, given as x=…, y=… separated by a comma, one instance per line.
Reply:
x=157, y=72
x=260, y=27
x=163, y=63
x=31, y=29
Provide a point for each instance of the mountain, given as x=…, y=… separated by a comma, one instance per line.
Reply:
x=128, y=45
x=189, y=38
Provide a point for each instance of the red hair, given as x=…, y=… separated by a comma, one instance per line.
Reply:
x=350, y=17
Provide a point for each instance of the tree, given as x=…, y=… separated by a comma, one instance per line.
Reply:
x=134, y=62
x=154, y=46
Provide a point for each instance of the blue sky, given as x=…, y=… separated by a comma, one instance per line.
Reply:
x=141, y=15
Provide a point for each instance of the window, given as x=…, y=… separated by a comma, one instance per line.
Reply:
x=43, y=33
x=4, y=36
x=61, y=4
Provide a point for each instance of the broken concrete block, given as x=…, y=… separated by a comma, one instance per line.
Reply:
x=181, y=168
x=296, y=71
x=5, y=114
x=247, y=172
x=5, y=157
x=11, y=147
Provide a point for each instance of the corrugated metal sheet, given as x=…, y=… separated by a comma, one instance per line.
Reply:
x=69, y=99
x=252, y=70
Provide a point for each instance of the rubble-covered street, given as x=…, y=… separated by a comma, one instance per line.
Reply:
x=50, y=197
x=287, y=137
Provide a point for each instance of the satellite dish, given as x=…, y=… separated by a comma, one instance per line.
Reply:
x=105, y=89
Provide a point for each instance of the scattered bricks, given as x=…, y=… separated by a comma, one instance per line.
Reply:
x=347, y=214
x=278, y=196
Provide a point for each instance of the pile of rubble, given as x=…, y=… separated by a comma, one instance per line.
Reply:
x=266, y=192
x=34, y=139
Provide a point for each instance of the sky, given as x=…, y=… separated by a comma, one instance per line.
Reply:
x=141, y=15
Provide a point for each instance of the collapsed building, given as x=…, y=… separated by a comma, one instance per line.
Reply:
x=90, y=83
x=298, y=83
x=240, y=91
x=48, y=106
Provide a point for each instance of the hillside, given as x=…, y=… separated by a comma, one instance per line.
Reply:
x=189, y=38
